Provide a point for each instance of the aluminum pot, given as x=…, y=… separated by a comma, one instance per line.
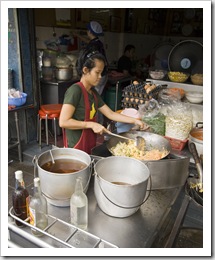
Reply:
x=63, y=73
x=120, y=185
x=58, y=187
x=196, y=137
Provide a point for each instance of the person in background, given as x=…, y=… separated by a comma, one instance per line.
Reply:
x=82, y=103
x=94, y=30
x=125, y=61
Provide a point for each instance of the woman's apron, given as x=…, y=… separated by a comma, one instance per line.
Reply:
x=88, y=138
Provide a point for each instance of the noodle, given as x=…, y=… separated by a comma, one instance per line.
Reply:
x=130, y=150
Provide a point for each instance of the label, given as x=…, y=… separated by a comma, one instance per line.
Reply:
x=185, y=63
x=32, y=216
x=27, y=205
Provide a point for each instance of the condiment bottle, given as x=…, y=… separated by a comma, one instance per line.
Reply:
x=20, y=199
x=38, y=209
x=79, y=206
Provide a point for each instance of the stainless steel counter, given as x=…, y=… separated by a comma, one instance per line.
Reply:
x=136, y=231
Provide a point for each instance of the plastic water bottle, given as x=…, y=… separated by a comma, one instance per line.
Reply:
x=79, y=206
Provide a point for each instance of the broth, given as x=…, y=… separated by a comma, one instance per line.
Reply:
x=64, y=166
x=120, y=183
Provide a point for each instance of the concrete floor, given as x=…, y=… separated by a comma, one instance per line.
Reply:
x=194, y=213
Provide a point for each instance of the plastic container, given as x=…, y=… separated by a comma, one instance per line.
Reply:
x=17, y=101
x=177, y=76
x=195, y=97
x=177, y=144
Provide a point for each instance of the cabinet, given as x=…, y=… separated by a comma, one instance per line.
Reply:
x=52, y=92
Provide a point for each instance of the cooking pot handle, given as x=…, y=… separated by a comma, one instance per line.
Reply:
x=137, y=206
x=199, y=123
x=35, y=163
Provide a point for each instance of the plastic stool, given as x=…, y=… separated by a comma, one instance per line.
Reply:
x=51, y=108
x=48, y=112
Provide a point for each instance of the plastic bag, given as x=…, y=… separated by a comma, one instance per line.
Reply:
x=179, y=120
x=151, y=115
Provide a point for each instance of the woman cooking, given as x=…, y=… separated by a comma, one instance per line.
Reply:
x=82, y=103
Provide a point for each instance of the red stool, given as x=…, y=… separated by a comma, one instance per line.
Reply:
x=48, y=112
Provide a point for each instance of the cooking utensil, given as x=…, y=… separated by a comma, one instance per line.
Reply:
x=58, y=187
x=138, y=140
x=196, y=158
x=118, y=192
x=152, y=141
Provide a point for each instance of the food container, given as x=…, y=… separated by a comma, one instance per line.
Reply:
x=63, y=73
x=58, y=187
x=17, y=101
x=195, y=97
x=196, y=137
x=179, y=77
x=120, y=185
x=157, y=74
x=177, y=144
x=197, y=79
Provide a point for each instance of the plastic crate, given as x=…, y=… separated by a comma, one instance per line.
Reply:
x=17, y=101
x=177, y=144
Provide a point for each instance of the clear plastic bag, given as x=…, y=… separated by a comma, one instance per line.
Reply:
x=150, y=114
x=179, y=120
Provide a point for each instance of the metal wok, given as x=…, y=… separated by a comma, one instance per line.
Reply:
x=153, y=141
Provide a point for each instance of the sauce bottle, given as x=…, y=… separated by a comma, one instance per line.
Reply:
x=79, y=206
x=38, y=209
x=20, y=199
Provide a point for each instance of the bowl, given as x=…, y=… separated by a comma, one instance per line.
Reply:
x=197, y=79
x=13, y=101
x=194, y=96
x=157, y=74
x=177, y=76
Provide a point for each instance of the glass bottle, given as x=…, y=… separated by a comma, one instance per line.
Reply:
x=20, y=199
x=79, y=206
x=38, y=209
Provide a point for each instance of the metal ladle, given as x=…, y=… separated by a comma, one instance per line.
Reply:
x=140, y=142
x=53, y=161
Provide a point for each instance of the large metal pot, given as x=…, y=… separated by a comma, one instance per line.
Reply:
x=196, y=137
x=152, y=141
x=58, y=187
x=120, y=185
x=63, y=73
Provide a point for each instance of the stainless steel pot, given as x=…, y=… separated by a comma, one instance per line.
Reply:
x=153, y=141
x=196, y=137
x=63, y=73
x=120, y=185
x=58, y=187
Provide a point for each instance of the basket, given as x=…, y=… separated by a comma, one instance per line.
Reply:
x=176, y=144
x=17, y=101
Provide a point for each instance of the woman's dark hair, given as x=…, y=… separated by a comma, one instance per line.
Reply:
x=87, y=59
x=129, y=47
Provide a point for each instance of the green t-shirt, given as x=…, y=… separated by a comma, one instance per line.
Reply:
x=75, y=97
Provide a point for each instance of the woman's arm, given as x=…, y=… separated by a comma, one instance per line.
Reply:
x=66, y=121
x=110, y=114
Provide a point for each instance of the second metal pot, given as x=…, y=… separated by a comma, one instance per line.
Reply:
x=63, y=73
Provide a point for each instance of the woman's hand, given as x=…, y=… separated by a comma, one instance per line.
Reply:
x=97, y=128
x=141, y=124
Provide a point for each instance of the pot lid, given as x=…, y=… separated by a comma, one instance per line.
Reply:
x=186, y=56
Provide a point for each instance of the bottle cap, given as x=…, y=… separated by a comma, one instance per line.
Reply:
x=37, y=182
x=18, y=175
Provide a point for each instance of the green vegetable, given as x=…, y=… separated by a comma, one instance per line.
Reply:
x=157, y=123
